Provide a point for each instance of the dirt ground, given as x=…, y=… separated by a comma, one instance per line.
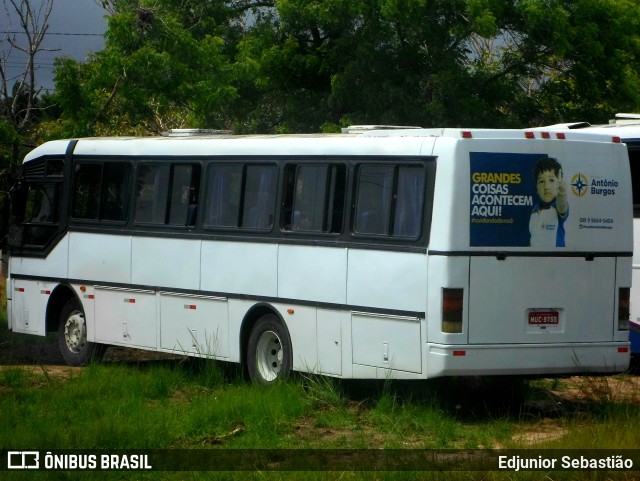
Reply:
x=26, y=350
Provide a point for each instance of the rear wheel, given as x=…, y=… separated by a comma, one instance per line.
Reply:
x=72, y=336
x=269, y=354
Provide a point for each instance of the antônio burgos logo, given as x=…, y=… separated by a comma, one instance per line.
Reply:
x=579, y=185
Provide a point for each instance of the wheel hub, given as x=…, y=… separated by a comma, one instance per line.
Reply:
x=75, y=333
x=269, y=355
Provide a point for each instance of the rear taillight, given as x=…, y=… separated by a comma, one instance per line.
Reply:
x=452, y=303
x=624, y=311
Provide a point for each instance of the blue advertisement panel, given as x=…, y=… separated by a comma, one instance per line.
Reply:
x=517, y=200
x=577, y=202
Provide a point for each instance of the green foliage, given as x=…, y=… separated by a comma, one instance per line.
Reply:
x=310, y=65
x=164, y=66
x=9, y=141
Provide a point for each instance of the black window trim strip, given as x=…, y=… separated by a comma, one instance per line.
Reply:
x=501, y=254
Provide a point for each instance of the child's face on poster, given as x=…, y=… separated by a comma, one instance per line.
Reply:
x=547, y=185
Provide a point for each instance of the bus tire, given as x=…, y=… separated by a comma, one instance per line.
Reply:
x=269, y=352
x=72, y=336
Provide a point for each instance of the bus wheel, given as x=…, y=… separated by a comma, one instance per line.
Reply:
x=269, y=355
x=72, y=336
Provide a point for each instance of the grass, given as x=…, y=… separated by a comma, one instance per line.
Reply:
x=202, y=405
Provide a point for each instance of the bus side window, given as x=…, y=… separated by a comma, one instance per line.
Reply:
x=41, y=205
x=259, y=196
x=223, y=195
x=100, y=191
x=183, y=203
x=115, y=188
x=409, y=201
x=152, y=188
x=389, y=200
x=167, y=194
x=313, y=198
x=374, y=196
x=41, y=214
x=86, y=191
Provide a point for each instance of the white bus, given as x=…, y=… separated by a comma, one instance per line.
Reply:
x=627, y=127
x=375, y=253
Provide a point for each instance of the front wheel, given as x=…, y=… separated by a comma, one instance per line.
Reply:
x=269, y=355
x=72, y=336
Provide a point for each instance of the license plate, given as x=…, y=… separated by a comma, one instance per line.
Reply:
x=543, y=318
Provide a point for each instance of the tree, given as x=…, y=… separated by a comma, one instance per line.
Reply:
x=490, y=63
x=19, y=102
x=19, y=94
x=592, y=65
x=304, y=65
x=380, y=61
x=166, y=64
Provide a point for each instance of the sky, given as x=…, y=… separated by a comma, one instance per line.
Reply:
x=76, y=28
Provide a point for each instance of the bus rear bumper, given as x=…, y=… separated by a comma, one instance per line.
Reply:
x=527, y=359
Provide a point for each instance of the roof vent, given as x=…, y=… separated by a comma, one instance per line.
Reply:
x=628, y=116
x=578, y=125
x=195, y=132
x=359, y=129
x=626, y=119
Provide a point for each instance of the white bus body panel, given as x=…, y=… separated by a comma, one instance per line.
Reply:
x=388, y=342
x=324, y=270
x=100, y=257
x=55, y=265
x=166, y=262
x=194, y=325
x=28, y=306
x=330, y=342
x=391, y=280
x=240, y=267
x=126, y=317
x=499, y=307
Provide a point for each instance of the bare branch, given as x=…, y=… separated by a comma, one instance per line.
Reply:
x=19, y=100
x=108, y=5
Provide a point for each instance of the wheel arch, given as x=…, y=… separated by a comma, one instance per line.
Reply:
x=57, y=300
x=249, y=320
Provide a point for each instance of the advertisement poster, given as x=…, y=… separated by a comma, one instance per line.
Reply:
x=532, y=200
